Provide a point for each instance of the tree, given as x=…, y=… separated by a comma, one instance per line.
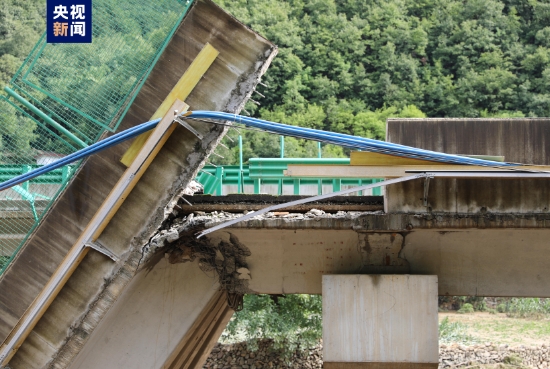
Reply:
x=292, y=322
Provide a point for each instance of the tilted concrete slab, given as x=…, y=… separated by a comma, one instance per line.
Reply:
x=150, y=318
x=98, y=282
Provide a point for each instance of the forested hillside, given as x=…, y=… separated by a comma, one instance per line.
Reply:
x=348, y=65
x=21, y=25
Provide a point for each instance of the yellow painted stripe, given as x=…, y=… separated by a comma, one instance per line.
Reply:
x=372, y=158
x=181, y=90
x=383, y=171
x=155, y=141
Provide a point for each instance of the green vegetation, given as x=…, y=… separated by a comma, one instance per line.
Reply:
x=533, y=308
x=348, y=65
x=21, y=25
x=456, y=302
x=452, y=332
x=466, y=309
x=496, y=328
x=291, y=321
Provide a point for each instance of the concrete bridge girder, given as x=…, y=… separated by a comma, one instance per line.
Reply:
x=292, y=257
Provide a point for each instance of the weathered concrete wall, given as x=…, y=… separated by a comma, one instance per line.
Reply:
x=96, y=284
x=482, y=262
x=518, y=140
x=380, y=321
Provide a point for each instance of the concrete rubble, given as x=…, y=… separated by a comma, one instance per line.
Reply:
x=177, y=226
x=454, y=356
x=237, y=356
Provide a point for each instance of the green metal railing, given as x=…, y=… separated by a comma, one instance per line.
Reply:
x=65, y=96
x=270, y=171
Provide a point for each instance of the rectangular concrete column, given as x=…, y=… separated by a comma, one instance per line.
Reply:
x=380, y=321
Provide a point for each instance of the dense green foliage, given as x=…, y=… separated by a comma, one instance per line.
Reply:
x=21, y=25
x=348, y=65
x=292, y=322
x=534, y=308
x=343, y=64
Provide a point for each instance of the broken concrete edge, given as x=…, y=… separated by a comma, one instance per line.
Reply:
x=375, y=221
x=208, y=144
x=129, y=263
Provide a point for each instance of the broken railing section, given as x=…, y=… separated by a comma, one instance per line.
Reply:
x=309, y=199
x=273, y=171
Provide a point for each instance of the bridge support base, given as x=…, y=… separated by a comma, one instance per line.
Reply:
x=380, y=321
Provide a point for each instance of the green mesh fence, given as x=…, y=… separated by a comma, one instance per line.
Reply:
x=65, y=96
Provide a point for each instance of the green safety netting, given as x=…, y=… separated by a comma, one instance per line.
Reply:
x=65, y=96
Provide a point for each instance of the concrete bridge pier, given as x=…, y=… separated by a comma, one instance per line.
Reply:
x=380, y=321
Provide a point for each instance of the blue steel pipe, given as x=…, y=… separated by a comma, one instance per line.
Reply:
x=340, y=139
x=349, y=141
x=80, y=154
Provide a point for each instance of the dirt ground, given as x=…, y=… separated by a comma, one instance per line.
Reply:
x=500, y=329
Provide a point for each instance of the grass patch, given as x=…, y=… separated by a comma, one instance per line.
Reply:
x=454, y=332
x=511, y=330
x=531, y=308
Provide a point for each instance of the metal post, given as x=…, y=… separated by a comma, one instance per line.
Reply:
x=240, y=181
x=65, y=173
x=26, y=169
x=297, y=186
x=282, y=141
x=336, y=184
x=219, y=181
x=376, y=191
x=320, y=182
x=46, y=118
